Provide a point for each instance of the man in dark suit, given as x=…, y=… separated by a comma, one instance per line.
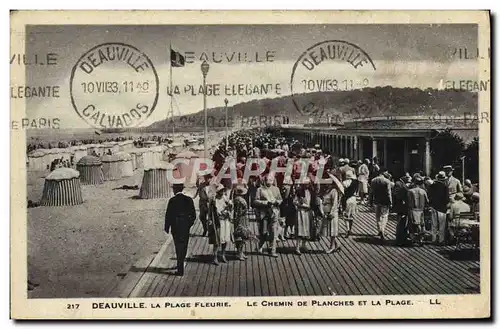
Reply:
x=179, y=218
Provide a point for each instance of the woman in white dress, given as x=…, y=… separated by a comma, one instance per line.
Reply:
x=363, y=174
x=302, y=203
x=220, y=223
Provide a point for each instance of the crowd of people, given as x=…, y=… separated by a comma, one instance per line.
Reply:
x=306, y=209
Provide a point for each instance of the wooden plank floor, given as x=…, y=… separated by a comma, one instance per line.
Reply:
x=364, y=266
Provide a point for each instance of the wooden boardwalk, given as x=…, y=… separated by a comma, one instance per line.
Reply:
x=364, y=266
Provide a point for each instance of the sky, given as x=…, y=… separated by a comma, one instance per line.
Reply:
x=404, y=56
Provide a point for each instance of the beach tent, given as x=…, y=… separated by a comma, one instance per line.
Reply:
x=90, y=169
x=38, y=160
x=155, y=183
x=62, y=188
x=111, y=167
x=126, y=166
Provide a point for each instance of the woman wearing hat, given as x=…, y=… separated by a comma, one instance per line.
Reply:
x=220, y=225
x=241, y=231
x=363, y=174
x=351, y=186
x=331, y=203
x=302, y=203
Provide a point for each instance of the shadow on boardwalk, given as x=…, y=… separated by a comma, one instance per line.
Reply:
x=365, y=265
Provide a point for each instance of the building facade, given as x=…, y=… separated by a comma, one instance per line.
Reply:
x=400, y=144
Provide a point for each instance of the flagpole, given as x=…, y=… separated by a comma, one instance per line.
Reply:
x=171, y=95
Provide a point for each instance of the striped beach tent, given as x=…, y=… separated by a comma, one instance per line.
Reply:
x=111, y=167
x=90, y=169
x=38, y=160
x=62, y=188
x=126, y=167
x=155, y=183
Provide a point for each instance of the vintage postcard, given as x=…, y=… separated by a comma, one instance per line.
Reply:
x=250, y=164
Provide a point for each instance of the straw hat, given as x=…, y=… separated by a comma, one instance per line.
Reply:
x=441, y=175
x=448, y=168
x=240, y=190
x=459, y=196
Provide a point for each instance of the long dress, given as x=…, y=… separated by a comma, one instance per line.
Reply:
x=331, y=204
x=303, y=202
x=363, y=174
x=221, y=230
x=241, y=230
x=350, y=203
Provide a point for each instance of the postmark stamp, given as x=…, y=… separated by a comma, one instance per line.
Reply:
x=326, y=67
x=114, y=85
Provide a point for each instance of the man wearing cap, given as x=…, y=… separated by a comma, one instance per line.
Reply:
x=438, y=201
x=417, y=200
x=345, y=169
x=179, y=218
x=454, y=185
x=267, y=203
x=381, y=198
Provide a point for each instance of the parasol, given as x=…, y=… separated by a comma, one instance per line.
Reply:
x=337, y=183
